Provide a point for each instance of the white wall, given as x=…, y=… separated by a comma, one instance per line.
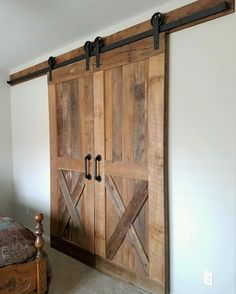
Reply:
x=202, y=145
x=30, y=140
x=6, y=193
x=203, y=157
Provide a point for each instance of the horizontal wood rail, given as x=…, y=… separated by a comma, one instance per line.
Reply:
x=178, y=19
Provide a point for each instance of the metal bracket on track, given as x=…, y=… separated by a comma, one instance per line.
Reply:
x=156, y=21
x=98, y=43
x=51, y=63
x=88, y=48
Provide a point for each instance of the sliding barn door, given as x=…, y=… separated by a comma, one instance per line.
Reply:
x=72, y=139
x=112, y=116
x=130, y=204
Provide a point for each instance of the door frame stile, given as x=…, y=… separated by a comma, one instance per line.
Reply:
x=99, y=148
x=53, y=154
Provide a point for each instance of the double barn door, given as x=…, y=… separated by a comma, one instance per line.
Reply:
x=108, y=204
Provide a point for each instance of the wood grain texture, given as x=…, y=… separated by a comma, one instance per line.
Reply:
x=70, y=164
x=53, y=157
x=75, y=197
x=157, y=197
x=119, y=113
x=86, y=141
x=113, y=141
x=126, y=170
x=141, y=281
x=131, y=233
x=67, y=198
x=73, y=250
x=99, y=148
x=68, y=119
x=125, y=222
x=72, y=125
x=144, y=26
x=129, y=257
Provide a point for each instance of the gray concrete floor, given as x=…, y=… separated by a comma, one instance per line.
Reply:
x=69, y=276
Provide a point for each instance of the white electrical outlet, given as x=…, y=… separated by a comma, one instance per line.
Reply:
x=208, y=278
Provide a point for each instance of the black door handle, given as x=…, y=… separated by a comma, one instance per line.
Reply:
x=96, y=159
x=87, y=175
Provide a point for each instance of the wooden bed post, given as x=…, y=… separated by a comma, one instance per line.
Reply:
x=40, y=256
x=39, y=242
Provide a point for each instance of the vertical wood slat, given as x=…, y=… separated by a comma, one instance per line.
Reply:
x=99, y=148
x=140, y=141
x=87, y=134
x=156, y=103
x=112, y=130
x=128, y=149
x=53, y=157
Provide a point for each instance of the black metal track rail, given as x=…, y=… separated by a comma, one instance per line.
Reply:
x=163, y=28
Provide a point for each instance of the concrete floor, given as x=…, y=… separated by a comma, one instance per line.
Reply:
x=72, y=277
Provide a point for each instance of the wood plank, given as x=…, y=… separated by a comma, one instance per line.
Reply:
x=67, y=198
x=116, y=114
x=120, y=210
x=68, y=119
x=122, y=56
x=53, y=158
x=126, y=170
x=157, y=197
x=128, y=150
x=108, y=114
x=81, y=105
x=99, y=148
x=140, y=111
x=108, y=267
x=125, y=222
x=70, y=164
x=87, y=202
x=69, y=72
x=141, y=144
x=113, y=141
x=183, y=11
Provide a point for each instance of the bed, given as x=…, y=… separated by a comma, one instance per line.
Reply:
x=23, y=262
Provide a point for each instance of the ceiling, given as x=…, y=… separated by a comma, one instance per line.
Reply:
x=32, y=28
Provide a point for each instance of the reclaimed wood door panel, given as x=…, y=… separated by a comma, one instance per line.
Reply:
x=131, y=205
x=73, y=138
x=117, y=111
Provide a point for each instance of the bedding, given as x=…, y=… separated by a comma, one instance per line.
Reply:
x=16, y=243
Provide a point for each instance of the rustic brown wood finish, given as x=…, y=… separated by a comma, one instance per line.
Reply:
x=117, y=111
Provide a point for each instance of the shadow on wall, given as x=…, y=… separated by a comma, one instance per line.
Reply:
x=25, y=216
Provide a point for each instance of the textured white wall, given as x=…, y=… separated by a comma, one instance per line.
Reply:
x=202, y=153
x=6, y=193
x=30, y=140
x=202, y=157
